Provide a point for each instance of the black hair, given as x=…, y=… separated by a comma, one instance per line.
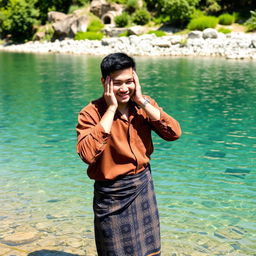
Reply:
x=114, y=62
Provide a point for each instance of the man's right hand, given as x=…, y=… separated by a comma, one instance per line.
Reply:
x=109, y=95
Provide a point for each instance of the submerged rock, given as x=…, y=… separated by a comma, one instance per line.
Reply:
x=237, y=172
x=20, y=238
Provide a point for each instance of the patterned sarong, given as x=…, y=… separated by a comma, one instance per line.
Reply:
x=126, y=216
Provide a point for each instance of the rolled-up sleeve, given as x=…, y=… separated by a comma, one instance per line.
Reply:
x=167, y=127
x=91, y=137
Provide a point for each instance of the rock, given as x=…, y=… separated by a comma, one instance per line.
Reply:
x=253, y=44
x=70, y=26
x=39, y=36
x=195, y=34
x=56, y=16
x=136, y=30
x=20, y=238
x=161, y=42
x=113, y=31
x=210, y=33
x=101, y=7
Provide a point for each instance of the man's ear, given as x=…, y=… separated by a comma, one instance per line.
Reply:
x=102, y=81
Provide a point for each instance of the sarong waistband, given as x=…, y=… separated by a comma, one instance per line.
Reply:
x=114, y=195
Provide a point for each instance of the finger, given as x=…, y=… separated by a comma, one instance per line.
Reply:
x=111, y=86
x=107, y=85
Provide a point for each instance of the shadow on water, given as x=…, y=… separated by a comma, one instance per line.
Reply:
x=51, y=253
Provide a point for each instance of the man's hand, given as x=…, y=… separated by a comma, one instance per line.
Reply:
x=137, y=97
x=109, y=95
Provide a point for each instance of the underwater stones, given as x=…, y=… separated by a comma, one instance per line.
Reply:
x=237, y=172
x=20, y=238
x=215, y=154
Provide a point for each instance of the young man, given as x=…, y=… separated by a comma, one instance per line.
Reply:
x=114, y=139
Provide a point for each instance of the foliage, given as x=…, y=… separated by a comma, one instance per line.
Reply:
x=141, y=17
x=158, y=33
x=202, y=23
x=18, y=18
x=161, y=19
x=88, y=35
x=132, y=6
x=179, y=11
x=47, y=30
x=122, y=20
x=118, y=1
x=73, y=8
x=224, y=30
x=95, y=25
x=124, y=34
x=251, y=22
x=226, y=19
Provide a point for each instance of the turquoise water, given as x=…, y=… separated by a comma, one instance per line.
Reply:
x=205, y=181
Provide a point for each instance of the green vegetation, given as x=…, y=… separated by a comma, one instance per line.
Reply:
x=158, y=33
x=141, y=17
x=202, y=23
x=224, y=30
x=124, y=34
x=20, y=18
x=95, y=25
x=122, y=20
x=251, y=22
x=89, y=35
x=226, y=19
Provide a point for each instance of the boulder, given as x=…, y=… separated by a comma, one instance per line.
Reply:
x=210, y=33
x=56, y=16
x=136, y=30
x=113, y=31
x=161, y=42
x=253, y=44
x=39, y=36
x=101, y=7
x=195, y=34
x=70, y=26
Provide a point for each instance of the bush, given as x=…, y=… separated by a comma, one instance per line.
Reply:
x=89, y=35
x=226, y=19
x=158, y=33
x=122, y=20
x=18, y=18
x=202, y=23
x=141, y=17
x=132, y=6
x=251, y=22
x=95, y=25
x=225, y=30
x=161, y=19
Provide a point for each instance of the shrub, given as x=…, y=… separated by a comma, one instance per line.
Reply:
x=251, y=22
x=95, y=25
x=158, y=33
x=18, y=18
x=141, y=17
x=226, y=19
x=89, y=35
x=132, y=6
x=122, y=20
x=202, y=23
x=161, y=19
x=225, y=30
x=124, y=34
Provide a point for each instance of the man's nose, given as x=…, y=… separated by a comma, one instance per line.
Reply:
x=123, y=87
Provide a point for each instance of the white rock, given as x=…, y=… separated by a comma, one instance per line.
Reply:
x=210, y=33
x=195, y=34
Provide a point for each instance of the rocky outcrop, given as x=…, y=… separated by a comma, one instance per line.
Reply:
x=69, y=26
x=56, y=16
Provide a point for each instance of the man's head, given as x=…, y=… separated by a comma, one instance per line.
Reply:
x=115, y=62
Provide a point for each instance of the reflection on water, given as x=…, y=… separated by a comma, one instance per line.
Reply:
x=205, y=181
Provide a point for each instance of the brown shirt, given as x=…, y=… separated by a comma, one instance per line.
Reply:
x=127, y=149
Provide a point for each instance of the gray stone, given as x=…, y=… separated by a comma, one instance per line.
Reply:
x=56, y=16
x=101, y=7
x=195, y=34
x=253, y=44
x=210, y=33
x=161, y=42
x=113, y=31
x=136, y=30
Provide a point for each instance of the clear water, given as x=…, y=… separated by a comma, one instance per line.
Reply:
x=205, y=181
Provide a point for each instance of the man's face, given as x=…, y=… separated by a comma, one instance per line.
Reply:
x=123, y=85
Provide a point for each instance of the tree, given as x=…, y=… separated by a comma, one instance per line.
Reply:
x=18, y=18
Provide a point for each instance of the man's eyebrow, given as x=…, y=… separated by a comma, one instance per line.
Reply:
x=119, y=80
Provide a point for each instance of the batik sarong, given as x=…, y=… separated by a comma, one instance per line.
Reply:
x=126, y=219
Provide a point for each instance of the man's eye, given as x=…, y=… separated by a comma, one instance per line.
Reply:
x=130, y=82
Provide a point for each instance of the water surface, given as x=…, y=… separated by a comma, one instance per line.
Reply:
x=205, y=181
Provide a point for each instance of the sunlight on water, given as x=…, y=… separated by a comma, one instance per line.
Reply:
x=205, y=181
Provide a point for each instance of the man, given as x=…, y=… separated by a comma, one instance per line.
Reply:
x=114, y=139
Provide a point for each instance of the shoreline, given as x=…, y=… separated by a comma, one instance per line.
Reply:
x=236, y=45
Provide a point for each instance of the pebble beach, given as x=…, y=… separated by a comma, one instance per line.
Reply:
x=209, y=43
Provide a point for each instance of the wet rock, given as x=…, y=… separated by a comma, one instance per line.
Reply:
x=237, y=172
x=20, y=238
x=215, y=154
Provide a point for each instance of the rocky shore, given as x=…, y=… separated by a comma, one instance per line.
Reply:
x=208, y=43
